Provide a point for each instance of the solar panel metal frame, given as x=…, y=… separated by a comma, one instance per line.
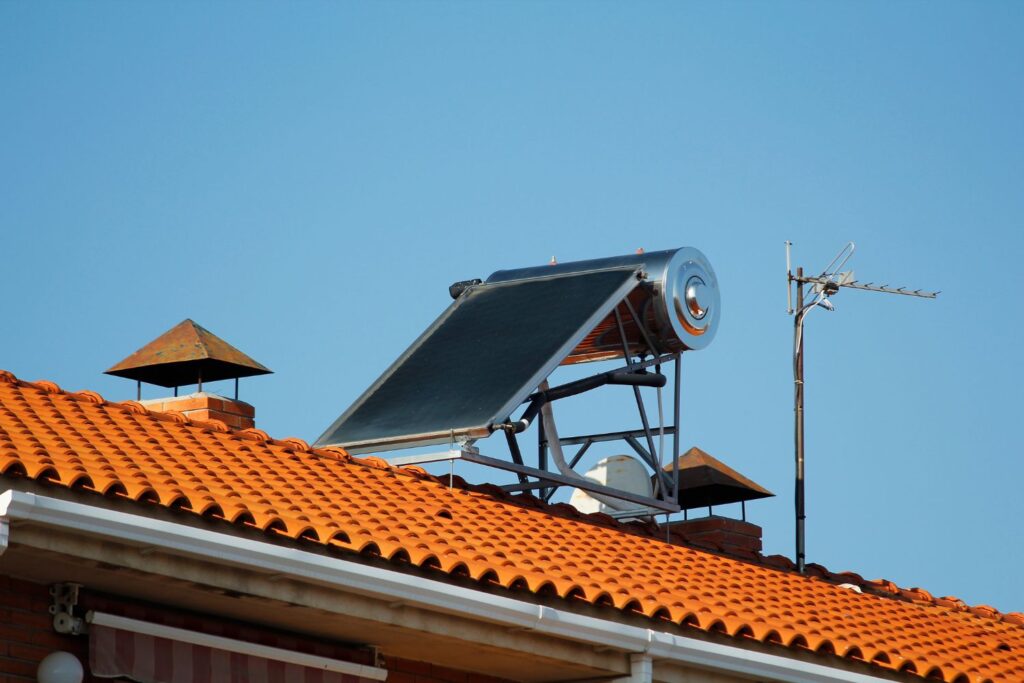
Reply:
x=630, y=280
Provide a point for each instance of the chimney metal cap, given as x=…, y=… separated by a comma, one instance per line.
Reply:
x=705, y=481
x=187, y=354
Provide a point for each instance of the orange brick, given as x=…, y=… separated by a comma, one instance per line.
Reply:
x=239, y=408
x=187, y=403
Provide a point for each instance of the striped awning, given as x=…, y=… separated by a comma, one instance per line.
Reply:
x=152, y=653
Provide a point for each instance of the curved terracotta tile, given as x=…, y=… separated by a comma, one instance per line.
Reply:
x=404, y=515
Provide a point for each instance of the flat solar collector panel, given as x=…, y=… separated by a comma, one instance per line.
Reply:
x=478, y=361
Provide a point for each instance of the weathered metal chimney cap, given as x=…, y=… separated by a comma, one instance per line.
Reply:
x=705, y=481
x=187, y=354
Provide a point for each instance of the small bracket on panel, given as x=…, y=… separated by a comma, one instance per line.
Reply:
x=65, y=599
x=457, y=289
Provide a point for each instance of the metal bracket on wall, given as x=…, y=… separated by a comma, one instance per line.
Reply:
x=65, y=599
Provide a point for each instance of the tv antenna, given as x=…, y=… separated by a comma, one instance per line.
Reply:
x=825, y=285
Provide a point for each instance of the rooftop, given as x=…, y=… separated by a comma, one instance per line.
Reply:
x=411, y=519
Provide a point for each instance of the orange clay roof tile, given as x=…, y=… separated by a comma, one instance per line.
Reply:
x=407, y=516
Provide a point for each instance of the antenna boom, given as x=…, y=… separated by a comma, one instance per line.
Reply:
x=870, y=287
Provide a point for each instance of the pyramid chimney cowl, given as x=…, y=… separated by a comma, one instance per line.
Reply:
x=190, y=354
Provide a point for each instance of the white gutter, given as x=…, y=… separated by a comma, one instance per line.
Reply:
x=5, y=527
x=392, y=586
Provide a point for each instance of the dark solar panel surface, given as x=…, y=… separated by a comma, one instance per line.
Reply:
x=481, y=358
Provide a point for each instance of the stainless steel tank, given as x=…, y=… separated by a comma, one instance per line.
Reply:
x=677, y=302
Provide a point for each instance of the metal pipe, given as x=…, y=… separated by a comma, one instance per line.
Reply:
x=572, y=463
x=663, y=481
x=563, y=467
x=606, y=436
x=661, y=475
x=542, y=450
x=616, y=377
x=675, y=432
x=798, y=409
x=638, y=379
x=640, y=450
x=789, y=281
x=517, y=456
x=580, y=453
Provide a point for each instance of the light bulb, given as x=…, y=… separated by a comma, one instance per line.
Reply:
x=60, y=667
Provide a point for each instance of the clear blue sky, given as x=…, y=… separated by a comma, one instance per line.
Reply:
x=305, y=180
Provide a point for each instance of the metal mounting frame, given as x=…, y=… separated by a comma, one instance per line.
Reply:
x=473, y=455
x=666, y=495
x=546, y=482
x=667, y=487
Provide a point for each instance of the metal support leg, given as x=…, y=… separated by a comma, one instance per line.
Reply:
x=517, y=456
x=542, y=454
x=640, y=403
x=675, y=434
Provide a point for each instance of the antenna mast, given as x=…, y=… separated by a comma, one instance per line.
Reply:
x=823, y=286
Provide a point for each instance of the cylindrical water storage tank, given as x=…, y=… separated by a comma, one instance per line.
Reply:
x=678, y=303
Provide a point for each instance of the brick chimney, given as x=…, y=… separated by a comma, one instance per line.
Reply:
x=732, y=536
x=705, y=481
x=189, y=354
x=205, y=406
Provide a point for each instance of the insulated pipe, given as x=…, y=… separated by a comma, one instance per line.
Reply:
x=551, y=432
x=544, y=396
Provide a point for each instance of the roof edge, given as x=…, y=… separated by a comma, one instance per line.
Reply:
x=426, y=593
x=879, y=587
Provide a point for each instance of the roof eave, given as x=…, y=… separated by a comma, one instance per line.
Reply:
x=224, y=549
